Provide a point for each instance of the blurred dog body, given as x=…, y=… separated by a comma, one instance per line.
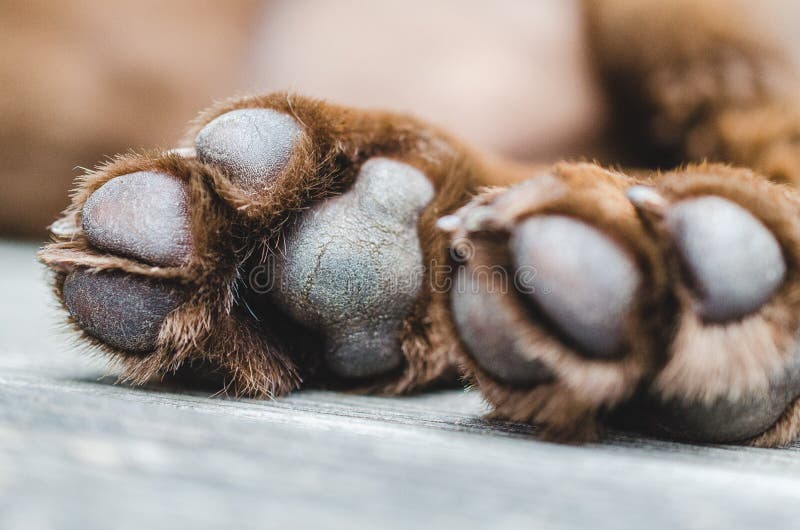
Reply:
x=83, y=80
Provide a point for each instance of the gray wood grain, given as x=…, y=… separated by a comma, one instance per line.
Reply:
x=79, y=452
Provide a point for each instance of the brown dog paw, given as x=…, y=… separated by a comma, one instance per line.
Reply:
x=670, y=306
x=290, y=240
x=731, y=242
x=556, y=296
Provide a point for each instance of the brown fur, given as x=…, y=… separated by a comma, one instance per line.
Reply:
x=699, y=83
x=784, y=432
x=209, y=328
x=705, y=84
x=583, y=389
x=234, y=229
x=674, y=355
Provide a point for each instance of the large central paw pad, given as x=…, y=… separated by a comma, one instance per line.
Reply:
x=352, y=267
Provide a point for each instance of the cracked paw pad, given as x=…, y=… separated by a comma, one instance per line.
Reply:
x=182, y=238
x=351, y=268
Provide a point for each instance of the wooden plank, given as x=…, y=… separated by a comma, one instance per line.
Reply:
x=79, y=452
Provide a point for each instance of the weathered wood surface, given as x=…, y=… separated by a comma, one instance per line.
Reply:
x=78, y=452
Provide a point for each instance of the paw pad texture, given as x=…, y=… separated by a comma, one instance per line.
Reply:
x=734, y=261
x=352, y=267
x=124, y=311
x=142, y=215
x=251, y=145
x=583, y=281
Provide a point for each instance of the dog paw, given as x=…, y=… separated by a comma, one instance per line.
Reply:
x=555, y=290
x=670, y=307
x=731, y=241
x=289, y=240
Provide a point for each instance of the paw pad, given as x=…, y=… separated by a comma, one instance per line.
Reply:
x=734, y=262
x=252, y=146
x=124, y=311
x=142, y=215
x=352, y=267
x=584, y=282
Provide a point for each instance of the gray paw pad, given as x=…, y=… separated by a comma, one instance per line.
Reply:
x=252, y=146
x=490, y=331
x=122, y=310
x=734, y=261
x=142, y=215
x=352, y=267
x=582, y=280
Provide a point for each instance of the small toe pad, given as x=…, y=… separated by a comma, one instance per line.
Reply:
x=251, y=145
x=584, y=282
x=123, y=311
x=734, y=261
x=142, y=215
x=489, y=329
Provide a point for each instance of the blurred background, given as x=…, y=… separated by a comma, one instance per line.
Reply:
x=80, y=80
